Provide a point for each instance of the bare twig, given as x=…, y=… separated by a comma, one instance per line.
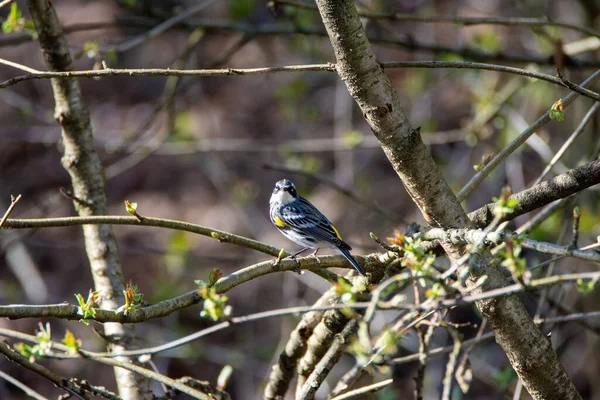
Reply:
x=5, y=3
x=517, y=142
x=457, y=20
x=568, y=251
x=451, y=362
x=365, y=389
x=75, y=389
x=20, y=66
x=13, y=203
x=329, y=67
x=26, y=389
x=487, y=336
x=163, y=26
x=226, y=324
x=580, y=128
x=425, y=336
x=42, y=371
x=221, y=236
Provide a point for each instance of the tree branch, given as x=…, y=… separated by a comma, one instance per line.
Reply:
x=82, y=163
x=457, y=20
x=544, y=193
x=283, y=372
x=58, y=381
x=359, y=68
x=329, y=67
x=518, y=141
x=325, y=365
x=216, y=234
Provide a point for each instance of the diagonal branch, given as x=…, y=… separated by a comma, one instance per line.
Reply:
x=527, y=348
x=544, y=193
x=325, y=365
x=283, y=372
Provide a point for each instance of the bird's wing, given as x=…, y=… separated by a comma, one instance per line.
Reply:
x=302, y=215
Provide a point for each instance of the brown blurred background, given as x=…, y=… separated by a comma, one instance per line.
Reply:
x=201, y=159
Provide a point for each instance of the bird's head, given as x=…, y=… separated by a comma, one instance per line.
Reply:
x=284, y=192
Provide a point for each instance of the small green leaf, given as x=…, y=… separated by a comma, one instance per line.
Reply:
x=556, y=111
x=586, y=286
x=71, y=342
x=131, y=207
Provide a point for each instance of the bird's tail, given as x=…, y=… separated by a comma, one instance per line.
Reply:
x=351, y=260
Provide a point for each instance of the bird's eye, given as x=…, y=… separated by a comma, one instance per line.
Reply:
x=292, y=191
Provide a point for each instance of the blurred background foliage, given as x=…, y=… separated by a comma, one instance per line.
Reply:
x=196, y=153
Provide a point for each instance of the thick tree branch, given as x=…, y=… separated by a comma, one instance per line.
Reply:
x=87, y=176
x=529, y=351
x=374, y=262
x=327, y=362
x=283, y=372
x=544, y=193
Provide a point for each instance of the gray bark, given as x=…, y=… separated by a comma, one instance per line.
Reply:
x=87, y=176
x=529, y=352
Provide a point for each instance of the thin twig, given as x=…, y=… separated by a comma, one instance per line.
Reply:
x=72, y=388
x=365, y=389
x=221, y=236
x=568, y=251
x=425, y=336
x=163, y=26
x=457, y=20
x=44, y=372
x=447, y=383
x=26, y=389
x=580, y=128
x=447, y=349
x=13, y=203
x=5, y=3
x=329, y=67
x=20, y=66
x=517, y=142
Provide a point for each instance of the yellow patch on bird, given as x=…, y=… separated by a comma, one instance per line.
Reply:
x=280, y=223
x=336, y=232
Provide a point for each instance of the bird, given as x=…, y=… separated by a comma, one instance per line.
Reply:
x=301, y=222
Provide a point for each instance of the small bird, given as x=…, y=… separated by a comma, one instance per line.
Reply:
x=303, y=223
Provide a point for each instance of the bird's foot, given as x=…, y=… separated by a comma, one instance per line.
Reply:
x=314, y=255
x=297, y=269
